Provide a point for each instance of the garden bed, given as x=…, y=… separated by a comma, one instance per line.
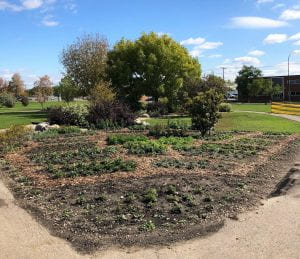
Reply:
x=102, y=189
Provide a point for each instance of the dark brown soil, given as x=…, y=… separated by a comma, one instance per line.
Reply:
x=95, y=212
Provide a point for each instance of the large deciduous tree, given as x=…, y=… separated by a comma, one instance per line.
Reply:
x=85, y=61
x=244, y=81
x=43, y=89
x=152, y=65
x=16, y=86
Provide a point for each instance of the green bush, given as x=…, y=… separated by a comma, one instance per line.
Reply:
x=145, y=147
x=7, y=100
x=124, y=138
x=75, y=115
x=24, y=101
x=204, y=110
x=225, y=107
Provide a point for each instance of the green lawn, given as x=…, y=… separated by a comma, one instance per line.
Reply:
x=256, y=107
x=20, y=115
x=245, y=121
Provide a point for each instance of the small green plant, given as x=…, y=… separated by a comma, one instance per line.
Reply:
x=130, y=198
x=171, y=189
x=176, y=209
x=150, y=196
x=148, y=226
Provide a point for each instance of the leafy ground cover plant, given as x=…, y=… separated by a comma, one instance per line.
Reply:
x=124, y=138
x=145, y=147
x=182, y=164
x=177, y=143
x=95, y=167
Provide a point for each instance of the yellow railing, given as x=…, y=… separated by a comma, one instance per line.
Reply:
x=286, y=108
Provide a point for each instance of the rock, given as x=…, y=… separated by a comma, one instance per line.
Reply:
x=144, y=123
x=30, y=127
x=84, y=130
x=42, y=126
x=138, y=122
x=54, y=126
x=145, y=115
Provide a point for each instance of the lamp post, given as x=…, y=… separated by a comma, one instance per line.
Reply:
x=289, y=81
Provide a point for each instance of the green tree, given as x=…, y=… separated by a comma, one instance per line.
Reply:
x=67, y=90
x=152, y=65
x=43, y=89
x=16, y=86
x=85, y=61
x=204, y=110
x=194, y=86
x=244, y=81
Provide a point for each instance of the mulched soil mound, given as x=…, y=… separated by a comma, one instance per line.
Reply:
x=183, y=193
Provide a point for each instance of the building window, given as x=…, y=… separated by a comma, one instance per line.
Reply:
x=295, y=82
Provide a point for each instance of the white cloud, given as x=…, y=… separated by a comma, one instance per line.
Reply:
x=32, y=4
x=264, y=1
x=253, y=22
x=193, y=41
x=248, y=61
x=4, y=5
x=215, y=56
x=281, y=69
x=49, y=21
x=257, y=53
x=290, y=14
x=209, y=45
x=295, y=36
x=275, y=38
x=278, y=6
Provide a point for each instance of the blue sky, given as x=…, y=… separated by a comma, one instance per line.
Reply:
x=220, y=33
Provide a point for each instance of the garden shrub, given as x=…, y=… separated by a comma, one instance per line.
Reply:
x=74, y=115
x=156, y=109
x=110, y=114
x=225, y=107
x=204, y=110
x=7, y=100
x=24, y=100
x=13, y=137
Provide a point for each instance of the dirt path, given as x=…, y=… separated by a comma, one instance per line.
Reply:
x=272, y=231
x=285, y=116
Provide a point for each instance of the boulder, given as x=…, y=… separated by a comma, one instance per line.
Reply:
x=42, y=126
x=145, y=115
x=144, y=123
x=138, y=122
x=54, y=126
